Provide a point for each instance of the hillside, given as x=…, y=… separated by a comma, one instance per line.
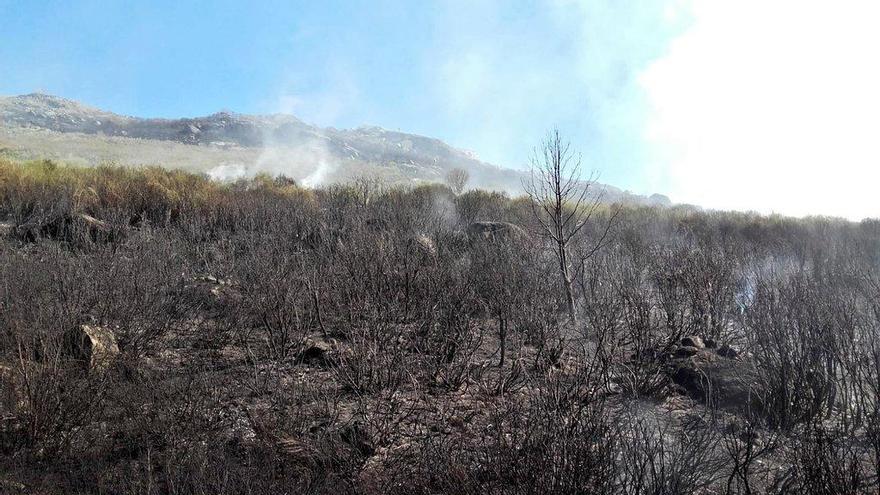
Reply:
x=228, y=144
x=162, y=333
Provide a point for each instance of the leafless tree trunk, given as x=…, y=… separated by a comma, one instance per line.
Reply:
x=562, y=204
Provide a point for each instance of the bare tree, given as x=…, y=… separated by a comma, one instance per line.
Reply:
x=367, y=188
x=562, y=204
x=456, y=179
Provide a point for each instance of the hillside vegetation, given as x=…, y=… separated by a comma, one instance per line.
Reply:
x=164, y=333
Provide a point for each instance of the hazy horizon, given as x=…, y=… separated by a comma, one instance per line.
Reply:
x=746, y=106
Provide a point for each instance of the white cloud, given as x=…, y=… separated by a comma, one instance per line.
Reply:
x=504, y=73
x=772, y=106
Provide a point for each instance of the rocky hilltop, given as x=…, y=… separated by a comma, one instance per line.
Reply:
x=290, y=143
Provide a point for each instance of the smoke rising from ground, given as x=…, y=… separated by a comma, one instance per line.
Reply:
x=227, y=173
x=309, y=163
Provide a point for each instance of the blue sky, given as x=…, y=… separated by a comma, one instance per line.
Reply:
x=488, y=76
x=703, y=100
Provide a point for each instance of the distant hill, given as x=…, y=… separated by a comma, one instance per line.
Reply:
x=229, y=144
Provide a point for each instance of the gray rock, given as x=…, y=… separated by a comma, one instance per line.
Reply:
x=318, y=352
x=693, y=341
x=94, y=346
x=727, y=384
x=727, y=352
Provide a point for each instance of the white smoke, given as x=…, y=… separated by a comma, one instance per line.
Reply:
x=227, y=172
x=445, y=211
x=307, y=161
x=318, y=176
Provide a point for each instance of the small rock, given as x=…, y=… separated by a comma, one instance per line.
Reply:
x=210, y=279
x=710, y=343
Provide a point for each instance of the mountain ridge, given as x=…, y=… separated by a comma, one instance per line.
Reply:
x=284, y=142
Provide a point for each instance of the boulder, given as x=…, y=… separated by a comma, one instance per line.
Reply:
x=318, y=352
x=693, y=341
x=728, y=352
x=495, y=231
x=92, y=345
x=725, y=383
